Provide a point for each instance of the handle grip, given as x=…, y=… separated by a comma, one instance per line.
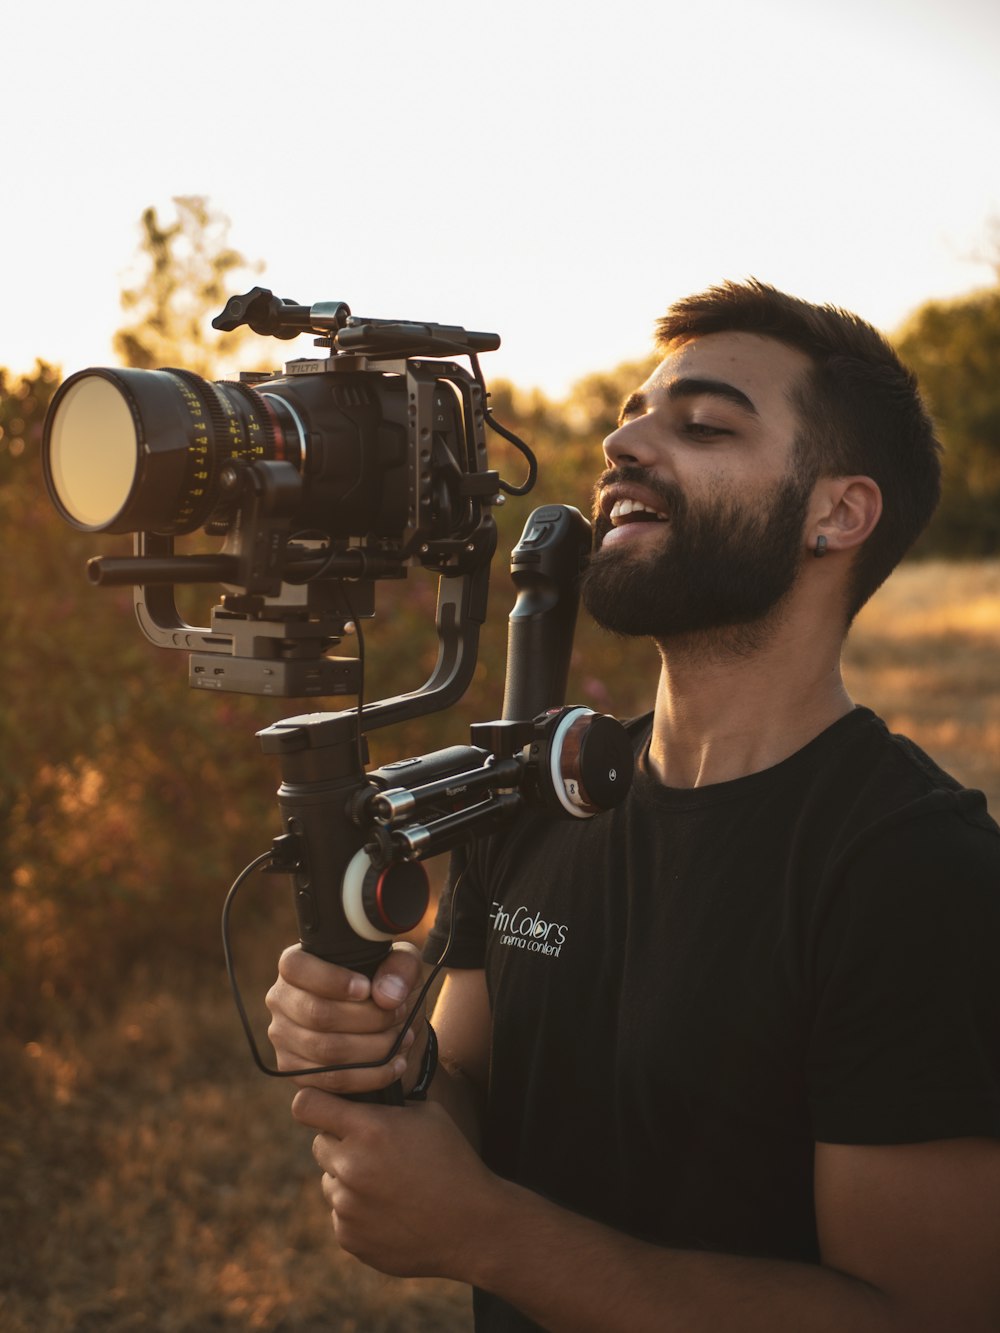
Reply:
x=545, y=567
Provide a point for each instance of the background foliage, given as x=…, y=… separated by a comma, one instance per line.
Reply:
x=954, y=347
x=129, y=802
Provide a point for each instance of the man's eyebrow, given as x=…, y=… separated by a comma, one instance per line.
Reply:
x=637, y=403
x=634, y=405
x=693, y=388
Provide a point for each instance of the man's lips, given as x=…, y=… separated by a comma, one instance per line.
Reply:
x=628, y=532
x=623, y=499
x=625, y=510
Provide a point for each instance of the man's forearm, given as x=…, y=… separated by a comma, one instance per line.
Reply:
x=459, y=1096
x=572, y=1275
x=410, y=1197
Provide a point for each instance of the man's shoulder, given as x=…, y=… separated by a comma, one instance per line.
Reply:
x=897, y=780
x=884, y=811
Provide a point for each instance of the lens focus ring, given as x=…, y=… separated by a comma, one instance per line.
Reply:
x=227, y=435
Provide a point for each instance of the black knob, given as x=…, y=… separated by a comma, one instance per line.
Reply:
x=395, y=899
x=605, y=762
x=585, y=759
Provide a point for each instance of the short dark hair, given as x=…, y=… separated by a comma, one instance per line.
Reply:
x=860, y=408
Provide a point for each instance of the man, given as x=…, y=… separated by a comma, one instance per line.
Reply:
x=757, y=1086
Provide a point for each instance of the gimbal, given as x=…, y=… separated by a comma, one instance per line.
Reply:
x=346, y=470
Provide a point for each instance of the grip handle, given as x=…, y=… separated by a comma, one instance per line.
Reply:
x=545, y=567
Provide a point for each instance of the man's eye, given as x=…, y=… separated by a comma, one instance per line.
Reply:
x=701, y=430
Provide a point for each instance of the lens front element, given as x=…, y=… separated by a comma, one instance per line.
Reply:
x=93, y=452
x=142, y=450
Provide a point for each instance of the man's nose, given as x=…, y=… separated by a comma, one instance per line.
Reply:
x=630, y=443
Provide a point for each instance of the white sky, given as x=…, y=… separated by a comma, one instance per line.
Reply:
x=554, y=171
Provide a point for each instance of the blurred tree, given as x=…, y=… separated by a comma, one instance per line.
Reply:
x=125, y=799
x=184, y=275
x=954, y=348
x=122, y=797
x=23, y=401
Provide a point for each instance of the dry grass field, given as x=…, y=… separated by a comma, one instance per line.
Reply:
x=925, y=654
x=151, y=1179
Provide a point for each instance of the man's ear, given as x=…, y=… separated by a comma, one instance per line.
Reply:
x=844, y=511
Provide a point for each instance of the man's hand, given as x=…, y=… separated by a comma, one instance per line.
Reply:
x=407, y=1193
x=322, y=1014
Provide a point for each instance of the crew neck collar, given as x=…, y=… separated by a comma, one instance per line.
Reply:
x=647, y=787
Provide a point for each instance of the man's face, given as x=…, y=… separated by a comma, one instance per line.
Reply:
x=699, y=519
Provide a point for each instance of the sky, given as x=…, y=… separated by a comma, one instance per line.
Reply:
x=554, y=172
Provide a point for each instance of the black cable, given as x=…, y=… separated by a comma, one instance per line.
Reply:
x=532, y=477
x=241, y=1008
x=508, y=435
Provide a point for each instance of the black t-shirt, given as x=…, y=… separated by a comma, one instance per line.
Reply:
x=690, y=991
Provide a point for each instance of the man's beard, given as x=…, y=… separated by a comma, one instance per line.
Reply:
x=720, y=575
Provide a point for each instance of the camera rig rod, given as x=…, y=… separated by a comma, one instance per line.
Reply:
x=399, y=804
x=336, y=327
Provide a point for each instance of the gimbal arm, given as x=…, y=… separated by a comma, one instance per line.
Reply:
x=351, y=839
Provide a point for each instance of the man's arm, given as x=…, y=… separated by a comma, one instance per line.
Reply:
x=909, y=1233
x=921, y=1221
x=461, y=1021
x=910, y=1237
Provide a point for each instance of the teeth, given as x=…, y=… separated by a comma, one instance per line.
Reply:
x=622, y=508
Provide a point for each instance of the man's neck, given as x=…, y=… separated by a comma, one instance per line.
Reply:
x=728, y=705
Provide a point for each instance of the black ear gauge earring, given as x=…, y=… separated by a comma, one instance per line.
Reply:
x=820, y=547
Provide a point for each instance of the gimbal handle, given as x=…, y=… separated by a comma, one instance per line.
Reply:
x=545, y=567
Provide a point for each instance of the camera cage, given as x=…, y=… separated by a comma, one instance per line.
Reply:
x=288, y=601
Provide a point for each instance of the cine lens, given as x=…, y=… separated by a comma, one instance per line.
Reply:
x=142, y=450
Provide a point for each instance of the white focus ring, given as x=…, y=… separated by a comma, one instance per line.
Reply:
x=567, y=790
x=353, y=894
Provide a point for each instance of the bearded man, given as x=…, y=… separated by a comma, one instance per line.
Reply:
x=757, y=1084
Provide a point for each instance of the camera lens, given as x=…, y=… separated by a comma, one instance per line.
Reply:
x=142, y=450
x=93, y=422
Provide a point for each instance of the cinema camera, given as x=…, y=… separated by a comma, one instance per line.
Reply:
x=343, y=471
